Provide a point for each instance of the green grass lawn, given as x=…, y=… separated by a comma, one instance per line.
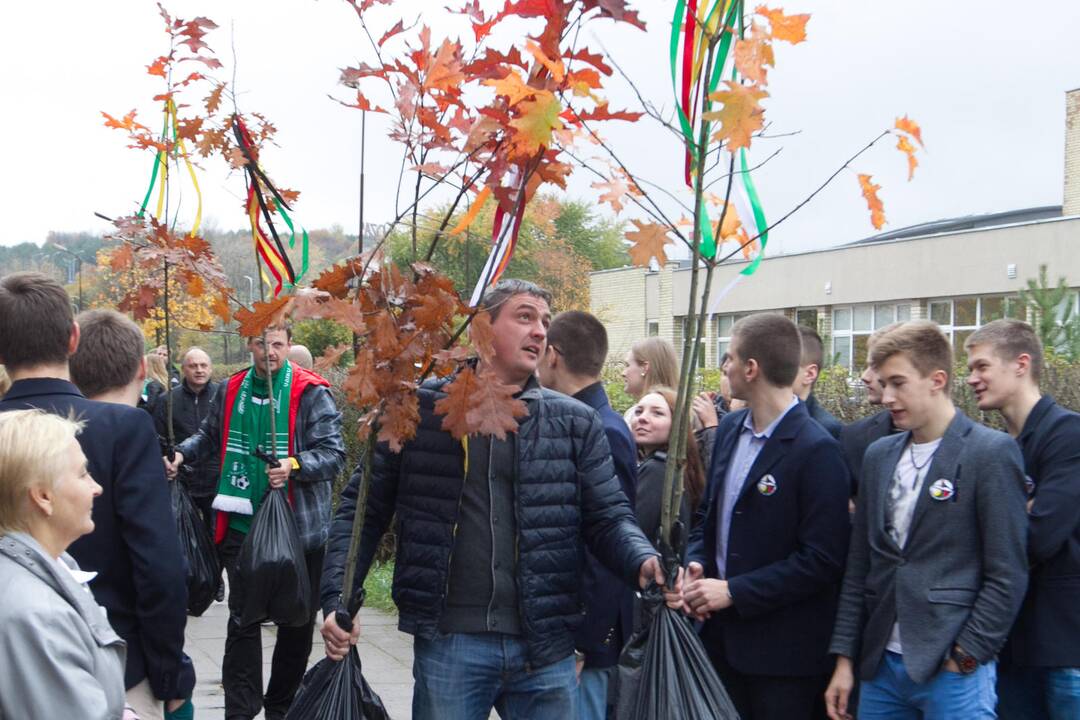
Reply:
x=377, y=584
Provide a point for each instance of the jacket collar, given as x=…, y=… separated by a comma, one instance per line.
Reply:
x=31, y=387
x=1035, y=417
x=593, y=396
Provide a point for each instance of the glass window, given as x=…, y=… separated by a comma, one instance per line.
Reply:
x=726, y=321
x=883, y=315
x=965, y=312
x=721, y=349
x=941, y=312
x=863, y=318
x=841, y=319
x=807, y=317
x=959, y=338
x=990, y=309
x=654, y=329
x=903, y=312
x=842, y=351
x=1014, y=308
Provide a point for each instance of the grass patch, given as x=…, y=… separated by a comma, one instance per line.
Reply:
x=377, y=584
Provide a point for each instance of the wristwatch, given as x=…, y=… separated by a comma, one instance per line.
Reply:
x=295, y=464
x=967, y=663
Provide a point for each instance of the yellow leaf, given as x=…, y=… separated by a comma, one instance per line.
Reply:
x=904, y=145
x=789, y=28
x=511, y=87
x=909, y=126
x=555, y=67
x=474, y=210
x=741, y=115
x=533, y=127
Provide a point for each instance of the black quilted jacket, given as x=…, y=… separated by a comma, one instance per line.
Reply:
x=566, y=495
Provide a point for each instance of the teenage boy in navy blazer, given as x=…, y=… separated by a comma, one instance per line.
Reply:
x=937, y=567
x=577, y=347
x=767, y=551
x=1039, y=674
x=811, y=360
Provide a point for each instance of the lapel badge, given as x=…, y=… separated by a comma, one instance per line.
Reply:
x=942, y=490
x=767, y=485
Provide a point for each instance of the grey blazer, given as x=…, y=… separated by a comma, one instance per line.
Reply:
x=961, y=576
x=60, y=657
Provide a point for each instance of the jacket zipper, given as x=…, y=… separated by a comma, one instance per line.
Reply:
x=491, y=528
x=454, y=530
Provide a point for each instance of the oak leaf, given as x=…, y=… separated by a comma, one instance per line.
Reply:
x=741, y=115
x=261, y=316
x=433, y=309
x=877, y=209
x=479, y=404
x=789, y=28
x=221, y=308
x=391, y=32
x=615, y=190
x=359, y=386
x=511, y=87
x=905, y=124
x=533, y=128
x=754, y=55
x=648, y=242
x=120, y=258
x=555, y=67
x=213, y=100
x=158, y=66
x=398, y=420
x=331, y=356
x=904, y=145
x=482, y=335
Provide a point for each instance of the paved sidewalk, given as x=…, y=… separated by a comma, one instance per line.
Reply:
x=385, y=652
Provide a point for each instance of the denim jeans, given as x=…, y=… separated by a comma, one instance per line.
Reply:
x=1039, y=693
x=590, y=700
x=463, y=676
x=893, y=695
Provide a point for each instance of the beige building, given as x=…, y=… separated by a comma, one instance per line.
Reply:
x=961, y=273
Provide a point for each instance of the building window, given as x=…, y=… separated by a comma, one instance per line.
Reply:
x=724, y=323
x=807, y=317
x=960, y=317
x=654, y=328
x=853, y=325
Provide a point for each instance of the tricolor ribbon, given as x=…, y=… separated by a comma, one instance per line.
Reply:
x=161, y=163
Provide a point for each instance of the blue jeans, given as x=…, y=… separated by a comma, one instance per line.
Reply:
x=592, y=694
x=463, y=676
x=893, y=695
x=1039, y=693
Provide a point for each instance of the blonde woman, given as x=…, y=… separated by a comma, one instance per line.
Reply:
x=649, y=363
x=157, y=381
x=61, y=658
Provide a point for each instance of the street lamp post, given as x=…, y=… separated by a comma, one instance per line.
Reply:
x=78, y=270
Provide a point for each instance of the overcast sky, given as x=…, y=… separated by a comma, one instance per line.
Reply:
x=985, y=81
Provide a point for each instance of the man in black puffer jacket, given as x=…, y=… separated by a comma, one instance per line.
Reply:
x=491, y=537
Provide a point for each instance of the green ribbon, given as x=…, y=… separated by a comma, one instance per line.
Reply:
x=759, y=215
x=154, y=172
x=292, y=243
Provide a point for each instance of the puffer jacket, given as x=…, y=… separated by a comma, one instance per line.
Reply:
x=565, y=491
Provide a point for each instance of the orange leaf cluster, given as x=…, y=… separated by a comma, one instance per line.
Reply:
x=877, y=209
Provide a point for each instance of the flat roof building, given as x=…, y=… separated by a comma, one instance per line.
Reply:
x=961, y=273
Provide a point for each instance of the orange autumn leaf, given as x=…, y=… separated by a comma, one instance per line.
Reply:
x=195, y=286
x=754, y=55
x=555, y=67
x=877, y=209
x=126, y=123
x=331, y=356
x=221, y=308
x=398, y=420
x=479, y=404
x=474, y=210
x=359, y=386
x=912, y=128
x=261, y=315
x=648, y=242
x=482, y=335
x=789, y=28
x=445, y=72
x=904, y=145
x=158, y=66
x=121, y=257
x=741, y=115
x=615, y=190
x=533, y=128
x=730, y=224
x=512, y=87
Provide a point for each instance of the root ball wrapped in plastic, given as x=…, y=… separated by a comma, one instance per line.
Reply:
x=271, y=567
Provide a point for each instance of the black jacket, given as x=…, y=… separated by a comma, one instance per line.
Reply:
x=141, y=579
x=566, y=490
x=823, y=416
x=858, y=436
x=650, y=496
x=609, y=603
x=786, y=547
x=189, y=411
x=1047, y=631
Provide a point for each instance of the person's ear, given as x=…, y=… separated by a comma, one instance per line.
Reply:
x=140, y=374
x=811, y=374
x=644, y=368
x=73, y=341
x=1023, y=364
x=41, y=498
x=752, y=369
x=939, y=379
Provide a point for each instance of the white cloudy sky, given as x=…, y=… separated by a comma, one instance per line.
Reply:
x=985, y=79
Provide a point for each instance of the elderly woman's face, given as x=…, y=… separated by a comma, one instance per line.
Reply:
x=73, y=495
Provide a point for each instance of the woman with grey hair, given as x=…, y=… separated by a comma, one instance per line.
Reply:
x=60, y=656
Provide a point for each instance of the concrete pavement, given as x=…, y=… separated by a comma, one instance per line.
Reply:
x=385, y=652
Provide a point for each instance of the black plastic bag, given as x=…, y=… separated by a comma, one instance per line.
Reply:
x=203, y=566
x=337, y=690
x=271, y=570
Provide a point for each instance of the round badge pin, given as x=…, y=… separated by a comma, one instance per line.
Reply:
x=767, y=485
x=942, y=489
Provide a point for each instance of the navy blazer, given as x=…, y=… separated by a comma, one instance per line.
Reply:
x=823, y=416
x=858, y=436
x=134, y=547
x=1047, y=631
x=609, y=602
x=786, y=548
